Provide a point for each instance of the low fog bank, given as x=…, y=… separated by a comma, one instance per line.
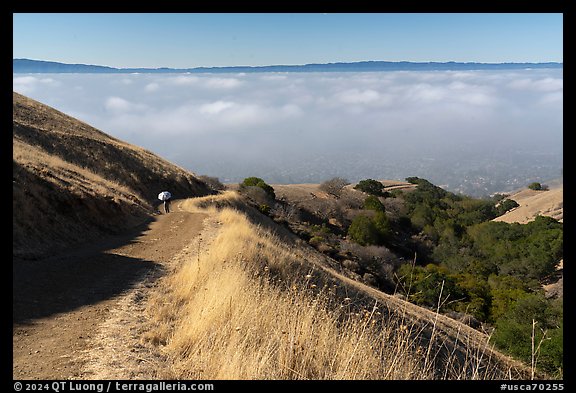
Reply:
x=475, y=132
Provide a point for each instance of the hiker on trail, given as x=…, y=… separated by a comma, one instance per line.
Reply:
x=165, y=197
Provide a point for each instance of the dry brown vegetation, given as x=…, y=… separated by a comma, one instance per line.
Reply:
x=73, y=183
x=256, y=305
x=533, y=203
x=248, y=309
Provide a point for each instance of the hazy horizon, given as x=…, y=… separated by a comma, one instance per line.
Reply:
x=471, y=131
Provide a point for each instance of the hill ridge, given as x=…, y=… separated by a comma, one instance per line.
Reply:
x=41, y=66
x=93, y=183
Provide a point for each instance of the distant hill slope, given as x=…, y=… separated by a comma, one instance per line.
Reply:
x=72, y=182
x=33, y=66
x=546, y=203
x=39, y=66
x=532, y=203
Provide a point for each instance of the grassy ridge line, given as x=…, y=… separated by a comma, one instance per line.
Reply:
x=255, y=307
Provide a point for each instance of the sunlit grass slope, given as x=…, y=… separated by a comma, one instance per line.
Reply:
x=250, y=306
x=248, y=310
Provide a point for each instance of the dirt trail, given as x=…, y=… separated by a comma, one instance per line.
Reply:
x=61, y=303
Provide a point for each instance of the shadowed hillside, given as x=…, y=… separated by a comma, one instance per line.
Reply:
x=72, y=182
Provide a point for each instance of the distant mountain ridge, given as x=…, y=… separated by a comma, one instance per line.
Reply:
x=23, y=66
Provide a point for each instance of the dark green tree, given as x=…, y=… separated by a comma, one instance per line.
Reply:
x=429, y=285
x=383, y=226
x=258, y=182
x=373, y=203
x=363, y=230
x=505, y=206
x=370, y=186
x=537, y=186
x=533, y=318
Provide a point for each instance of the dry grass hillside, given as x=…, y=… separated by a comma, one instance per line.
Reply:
x=72, y=182
x=532, y=203
x=255, y=302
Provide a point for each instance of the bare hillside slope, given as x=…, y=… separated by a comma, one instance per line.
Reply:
x=532, y=203
x=72, y=182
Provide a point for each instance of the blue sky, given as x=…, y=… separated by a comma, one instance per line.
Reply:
x=195, y=40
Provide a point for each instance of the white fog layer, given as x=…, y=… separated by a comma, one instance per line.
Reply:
x=475, y=132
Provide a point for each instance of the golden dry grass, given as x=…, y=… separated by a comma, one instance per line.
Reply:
x=247, y=310
x=71, y=177
x=533, y=203
x=250, y=306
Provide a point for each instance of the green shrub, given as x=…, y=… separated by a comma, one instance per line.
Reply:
x=514, y=332
x=505, y=291
x=373, y=203
x=514, y=338
x=265, y=209
x=363, y=231
x=477, y=299
x=370, y=186
x=257, y=182
x=370, y=230
x=429, y=286
x=551, y=353
x=421, y=216
x=535, y=186
x=320, y=230
x=382, y=225
x=505, y=206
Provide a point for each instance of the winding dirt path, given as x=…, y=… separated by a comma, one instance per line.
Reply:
x=62, y=303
